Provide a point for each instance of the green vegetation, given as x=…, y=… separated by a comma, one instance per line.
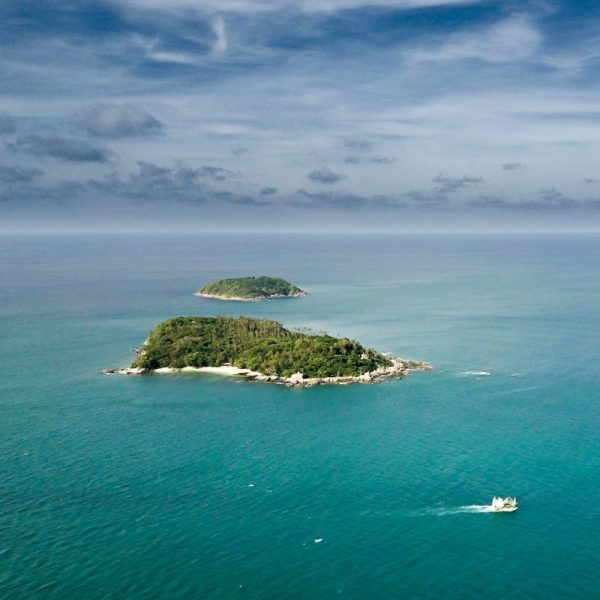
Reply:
x=251, y=288
x=257, y=344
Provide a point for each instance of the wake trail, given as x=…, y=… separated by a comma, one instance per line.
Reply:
x=456, y=510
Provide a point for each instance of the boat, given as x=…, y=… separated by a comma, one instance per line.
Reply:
x=503, y=504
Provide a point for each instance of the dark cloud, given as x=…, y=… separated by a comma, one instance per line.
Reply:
x=325, y=176
x=239, y=151
x=233, y=198
x=552, y=197
x=549, y=199
x=383, y=160
x=376, y=160
x=18, y=174
x=449, y=185
x=118, y=121
x=29, y=192
x=153, y=182
x=148, y=183
x=7, y=124
x=341, y=200
x=268, y=191
x=588, y=181
x=63, y=148
x=181, y=182
x=215, y=173
x=512, y=166
x=358, y=145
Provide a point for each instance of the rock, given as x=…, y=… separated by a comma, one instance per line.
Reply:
x=296, y=378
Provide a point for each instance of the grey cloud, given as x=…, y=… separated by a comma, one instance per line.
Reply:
x=268, y=191
x=63, y=148
x=233, y=198
x=239, y=151
x=588, y=181
x=341, y=200
x=215, y=173
x=376, y=160
x=358, y=145
x=7, y=124
x=383, y=160
x=550, y=199
x=29, y=192
x=18, y=174
x=152, y=182
x=553, y=197
x=426, y=198
x=118, y=121
x=449, y=185
x=148, y=183
x=512, y=166
x=325, y=176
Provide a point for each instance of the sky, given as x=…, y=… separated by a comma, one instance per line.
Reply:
x=300, y=115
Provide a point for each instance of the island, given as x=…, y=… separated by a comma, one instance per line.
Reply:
x=250, y=289
x=261, y=350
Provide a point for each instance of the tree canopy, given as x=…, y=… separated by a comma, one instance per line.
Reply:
x=251, y=288
x=258, y=344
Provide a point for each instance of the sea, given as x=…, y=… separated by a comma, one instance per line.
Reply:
x=204, y=486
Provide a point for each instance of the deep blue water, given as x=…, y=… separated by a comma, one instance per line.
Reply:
x=206, y=487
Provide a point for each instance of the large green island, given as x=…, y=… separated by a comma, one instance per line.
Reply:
x=250, y=289
x=262, y=350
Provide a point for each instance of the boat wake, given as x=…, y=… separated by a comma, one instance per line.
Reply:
x=476, y=373
x=456, y=510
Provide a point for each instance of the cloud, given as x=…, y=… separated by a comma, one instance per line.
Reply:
x=268, y=191
x=220, y=45
x=514, y=39
x=63, y=148
x=352, y=159
x=18, y=174
x=358, y=145
x=215, y=173
x=307, y=6
x=512, y=166
x=325, y=176
x=428, y=198
x=239, y=151
x=233, y=198
x=341, y=200
x=7, y=124
x=152, y=182
x=118, y=121
x=383, y=160
x=552, y=197
x=588, y=181
x=449, y=185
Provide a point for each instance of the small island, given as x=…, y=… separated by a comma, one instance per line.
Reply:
x=261, y=350
x=250, y=289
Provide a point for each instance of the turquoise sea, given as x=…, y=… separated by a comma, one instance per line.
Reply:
x=206, y=487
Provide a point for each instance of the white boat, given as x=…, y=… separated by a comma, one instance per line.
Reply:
x=503, y=504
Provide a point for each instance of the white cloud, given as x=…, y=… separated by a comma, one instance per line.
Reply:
x=310, y=6
x=514, y=39
x=220, y=44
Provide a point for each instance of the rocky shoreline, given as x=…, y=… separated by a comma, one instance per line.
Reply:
x=398, y=369
x=253, y=299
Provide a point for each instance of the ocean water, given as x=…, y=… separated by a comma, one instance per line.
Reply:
x=208, y=487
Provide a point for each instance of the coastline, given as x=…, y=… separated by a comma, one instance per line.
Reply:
x=254, y=299
x=398, y=369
